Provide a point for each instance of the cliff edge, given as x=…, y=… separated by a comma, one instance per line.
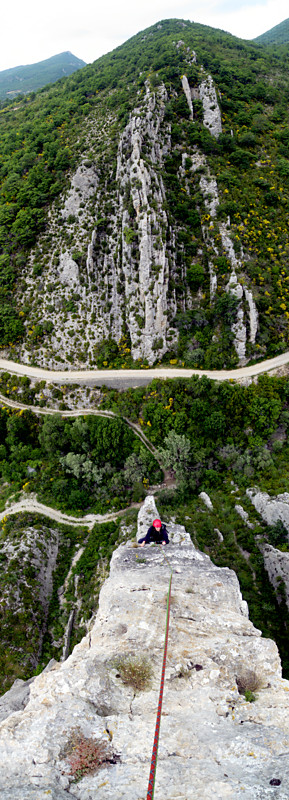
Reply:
x=213, y=743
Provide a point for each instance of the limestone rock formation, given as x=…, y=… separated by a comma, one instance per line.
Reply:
x=146, y=282
x=244, y=515
x=116, y=276
x=207, y=500
x=186, y=88
x=271, y=509
x=28, y=559
x=113, y=260
x=212, y=114
x=276, y=562
x=214, y=744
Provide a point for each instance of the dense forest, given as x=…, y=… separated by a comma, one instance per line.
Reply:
x=89, y=464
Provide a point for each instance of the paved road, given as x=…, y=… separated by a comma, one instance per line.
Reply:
x=123, y=378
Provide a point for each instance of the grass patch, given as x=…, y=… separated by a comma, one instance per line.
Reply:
x=248, y=682
x=135, y=671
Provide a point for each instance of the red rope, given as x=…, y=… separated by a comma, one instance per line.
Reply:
x=151, y=786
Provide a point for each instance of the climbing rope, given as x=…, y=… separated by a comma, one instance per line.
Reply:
x=152, y=777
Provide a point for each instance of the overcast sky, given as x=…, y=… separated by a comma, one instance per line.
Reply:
x=32, y=31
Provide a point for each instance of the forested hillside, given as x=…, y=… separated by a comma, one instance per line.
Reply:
x=277, y=35
x=144, y=215
x=28, y=78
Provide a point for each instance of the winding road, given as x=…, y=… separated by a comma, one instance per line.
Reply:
x=30, y=504
x=124, y=378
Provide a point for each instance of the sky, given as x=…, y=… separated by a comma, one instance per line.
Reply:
x=34, y=31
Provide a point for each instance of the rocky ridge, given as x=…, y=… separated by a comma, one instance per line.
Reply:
x=213, y=231
x=30, y=553
x=110, y=251
x=213, y=743
x=276, y=562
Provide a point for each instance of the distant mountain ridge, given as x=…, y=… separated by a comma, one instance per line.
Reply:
x=277, y=35
x=28, y=78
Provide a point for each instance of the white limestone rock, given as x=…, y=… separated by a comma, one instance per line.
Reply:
x=219, y=534
x=16, y=698
x=205, y=721
x=233, y=287
x=146, y=286
x=212, y=113
x=186, y=88
x=83, y=186
x=209, y=189
x=146, y=516
x=213, y=280
x=207, y=500
x=68, y=270
x=271, y=509
x=244, y=515
x=198, y=160
x=276, y=564
x=239, y=331
x=253, y=314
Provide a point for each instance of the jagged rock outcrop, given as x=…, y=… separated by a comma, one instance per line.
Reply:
x=146, y=283
x=206, y=92
x=212, y=113
x=207, y=500
x=253, y=314
x=118, y=276
x=276, y=562
x=271, y=509
x=187, y=90
x=209, y=188
x=213, y=743
x=244, y=515
x=112, y=262
x=28, y=559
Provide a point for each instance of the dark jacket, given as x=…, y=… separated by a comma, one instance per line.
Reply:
x=157, y=535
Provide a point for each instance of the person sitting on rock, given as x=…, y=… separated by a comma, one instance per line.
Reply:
x=157, y=534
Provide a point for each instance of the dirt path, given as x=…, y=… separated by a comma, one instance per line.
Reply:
x=31, y=504
x=138, y=377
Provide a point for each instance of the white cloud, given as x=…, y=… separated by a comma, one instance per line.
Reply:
x=91, y=28
x=246, y=20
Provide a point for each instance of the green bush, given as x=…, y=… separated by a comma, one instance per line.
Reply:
x=135, y=671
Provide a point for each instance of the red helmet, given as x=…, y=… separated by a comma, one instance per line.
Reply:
x=157, y=523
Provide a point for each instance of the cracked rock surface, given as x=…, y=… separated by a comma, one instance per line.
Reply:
x=213, y=744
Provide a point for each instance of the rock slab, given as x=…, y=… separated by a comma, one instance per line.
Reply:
x=213, y=744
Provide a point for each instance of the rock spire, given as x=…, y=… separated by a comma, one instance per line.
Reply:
x=214, y=744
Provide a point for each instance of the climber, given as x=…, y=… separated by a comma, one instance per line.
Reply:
x=157, y=534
